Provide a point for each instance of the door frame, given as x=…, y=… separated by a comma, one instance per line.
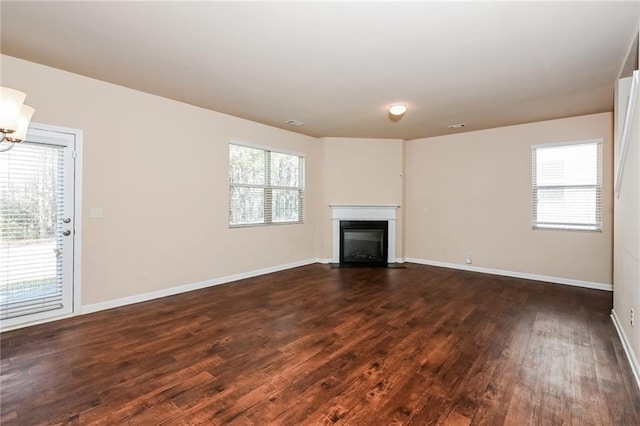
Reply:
x=77, y=221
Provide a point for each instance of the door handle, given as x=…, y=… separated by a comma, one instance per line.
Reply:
x=66, y=232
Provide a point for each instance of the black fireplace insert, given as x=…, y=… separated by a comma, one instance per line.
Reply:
x=364, y=242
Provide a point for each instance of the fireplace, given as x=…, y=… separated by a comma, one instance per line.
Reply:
x=370, y=213
x=364, y=242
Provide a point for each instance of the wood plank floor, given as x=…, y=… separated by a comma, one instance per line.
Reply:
x=315, y=345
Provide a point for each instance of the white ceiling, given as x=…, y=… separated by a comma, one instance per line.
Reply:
x=337, y=66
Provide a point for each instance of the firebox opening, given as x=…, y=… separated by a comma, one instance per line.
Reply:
x=364, y=242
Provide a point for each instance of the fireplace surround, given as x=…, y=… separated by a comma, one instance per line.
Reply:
x=367, y=213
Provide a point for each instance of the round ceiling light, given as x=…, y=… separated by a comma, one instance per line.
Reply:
x=397, y=109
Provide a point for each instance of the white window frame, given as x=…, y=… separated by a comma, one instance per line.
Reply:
x=576, y=227
x=268, y=188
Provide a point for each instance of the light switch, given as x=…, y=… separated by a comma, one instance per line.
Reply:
x=95, y=212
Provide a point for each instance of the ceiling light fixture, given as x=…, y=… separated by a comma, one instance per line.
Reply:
x=14, y=117
x=397, y=109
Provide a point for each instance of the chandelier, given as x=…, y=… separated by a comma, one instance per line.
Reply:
x=14, y=117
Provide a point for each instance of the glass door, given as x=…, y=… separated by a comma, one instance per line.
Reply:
x=37, y=228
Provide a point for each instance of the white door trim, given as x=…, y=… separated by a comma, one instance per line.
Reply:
x=77, y=218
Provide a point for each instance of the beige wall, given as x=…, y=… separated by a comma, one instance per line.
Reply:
x=158, y=168
x=361, y=171
x=472, y=192
x=165, y=199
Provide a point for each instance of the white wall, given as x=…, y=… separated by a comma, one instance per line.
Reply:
x=626, y=264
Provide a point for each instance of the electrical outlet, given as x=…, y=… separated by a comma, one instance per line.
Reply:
x=468, y=260
x=143, y=272
x=632, y=319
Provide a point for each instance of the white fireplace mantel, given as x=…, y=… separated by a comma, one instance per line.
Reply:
x=364, y=212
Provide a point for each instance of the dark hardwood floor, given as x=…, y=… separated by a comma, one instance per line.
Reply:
x=316, y=345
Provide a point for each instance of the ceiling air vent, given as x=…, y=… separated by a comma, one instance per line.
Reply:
x=457, y=126
x=295, y=122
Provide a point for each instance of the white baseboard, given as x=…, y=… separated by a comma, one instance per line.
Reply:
x=631, y=356
x=546, y=278
x=95, y=307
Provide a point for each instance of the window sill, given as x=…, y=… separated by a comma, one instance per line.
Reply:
x=566, y=229
x=253, y=225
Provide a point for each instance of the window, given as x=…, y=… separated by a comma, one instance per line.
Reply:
x=567, y=186
x=265, y=187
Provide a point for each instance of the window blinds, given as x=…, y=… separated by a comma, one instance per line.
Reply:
x=567, y=186
x=265, y=186
x=31, y=204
